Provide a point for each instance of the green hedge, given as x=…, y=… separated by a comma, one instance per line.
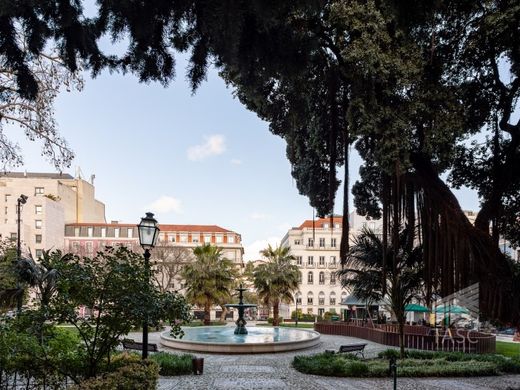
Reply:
x=136, y=375
x=171, y=365
x=416, y=364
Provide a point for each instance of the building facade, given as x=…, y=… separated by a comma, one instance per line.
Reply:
x=53, y=201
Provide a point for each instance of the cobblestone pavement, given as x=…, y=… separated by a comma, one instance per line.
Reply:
x=274, y=371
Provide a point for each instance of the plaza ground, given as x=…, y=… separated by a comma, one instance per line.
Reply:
x=274, y=371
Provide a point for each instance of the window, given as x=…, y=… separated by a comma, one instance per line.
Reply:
x=38, y=209
x=38, y=190
x=309, y=298
x=38, y=238
x=325, y=226
x=6, y=209
x=336, y=226
x=322, y=278
x=300, y=278
x=297, y=242
x=172, y=238
x=90, y=231
x=230, y=239
x=90, y=248
x=219, y=239
x=194, y=239
x=184, y=238
x=321, y=311
x=14, y=236
x=333, y=260
x=322, y=260
x=321, y=298
x=39, y=253
x=309, y=311
x=130, y=232
x=310, y=242
x=310, y=260
x=207, y=238
x=332, y=278
x=38, y=223
x=333, y=242
x=310, y=278
x=7, y=197
x=332, y=299
x=298, y=299
x=76, y=232
x=75, y=247
x=103, y=232
x=322, y=242
x=298, y=260
x=116, y=232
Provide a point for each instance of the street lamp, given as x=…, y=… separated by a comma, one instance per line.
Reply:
x=20, y=201
x=148, y=234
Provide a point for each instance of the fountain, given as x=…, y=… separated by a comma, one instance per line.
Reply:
x=241, y=322
x=225, y=339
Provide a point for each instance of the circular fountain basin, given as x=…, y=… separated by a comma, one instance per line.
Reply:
x=222, y=339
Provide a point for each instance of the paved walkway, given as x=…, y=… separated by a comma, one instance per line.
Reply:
x=274, y=371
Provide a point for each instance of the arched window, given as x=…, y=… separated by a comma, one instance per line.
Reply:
x=321, y=298
x=343, y=296
x=333, y=278
x=309, y=298
x=310, y=277
x=332, y=298
x=322, y=277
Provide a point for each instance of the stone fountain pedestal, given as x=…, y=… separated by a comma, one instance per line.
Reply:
x=241, y=306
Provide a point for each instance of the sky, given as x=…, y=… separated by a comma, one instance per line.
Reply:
x=198, y=158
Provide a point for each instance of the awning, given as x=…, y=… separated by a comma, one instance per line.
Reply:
x=416, y=308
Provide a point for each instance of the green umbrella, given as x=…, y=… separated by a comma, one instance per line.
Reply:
x=416, y=308
x=453, y=309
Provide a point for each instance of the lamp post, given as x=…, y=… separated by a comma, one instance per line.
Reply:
x=148, y=234
x=296, y=318
x=19, y=202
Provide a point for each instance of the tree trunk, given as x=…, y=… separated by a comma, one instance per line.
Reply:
x=276, y=313
x=207, y=313
x=401, y=337
x=223, y=314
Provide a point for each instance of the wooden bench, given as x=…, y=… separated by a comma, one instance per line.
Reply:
x=357, y=348
x=132, y=344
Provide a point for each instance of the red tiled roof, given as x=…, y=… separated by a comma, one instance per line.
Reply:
x=193, y=228
x=163, y=227
x=318, y=222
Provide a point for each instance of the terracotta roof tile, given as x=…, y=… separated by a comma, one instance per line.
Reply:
x=319, y=221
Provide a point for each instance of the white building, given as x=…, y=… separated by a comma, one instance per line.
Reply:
x=53, y=201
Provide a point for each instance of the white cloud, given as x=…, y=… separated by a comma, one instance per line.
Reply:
x=236, y=161
x=252, y=251
x=259, y=216
x=213, y=146
x=165, y=204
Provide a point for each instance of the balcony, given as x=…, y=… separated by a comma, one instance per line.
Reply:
x=322, y=265
x=326, y=247
x=311, y=265
x=333, y=265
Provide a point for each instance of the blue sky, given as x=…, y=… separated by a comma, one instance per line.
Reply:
x=191, y=159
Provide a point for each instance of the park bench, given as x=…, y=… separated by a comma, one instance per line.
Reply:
x=131, y=344
x=357, y=348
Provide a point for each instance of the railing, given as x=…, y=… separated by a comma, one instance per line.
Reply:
x=416, y=337
x=333, y=265
x=311, y=265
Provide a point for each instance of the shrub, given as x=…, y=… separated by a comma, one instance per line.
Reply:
x=270, y=320
x=171, y=365
x=136, y=375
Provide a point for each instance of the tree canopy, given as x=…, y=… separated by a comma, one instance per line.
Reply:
x=421, y=89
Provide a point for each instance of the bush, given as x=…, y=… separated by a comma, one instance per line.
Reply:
x=271, y=319
x=136, y=375
x=171, y=365
x=416, y=364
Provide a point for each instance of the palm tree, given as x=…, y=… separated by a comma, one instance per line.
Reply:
x=209, y=279
x=398, y=278
x=276, y=279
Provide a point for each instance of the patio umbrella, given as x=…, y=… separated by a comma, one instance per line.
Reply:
x=452, y=309
x=416, y=308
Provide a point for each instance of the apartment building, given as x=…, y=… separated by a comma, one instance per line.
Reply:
x=53, y=200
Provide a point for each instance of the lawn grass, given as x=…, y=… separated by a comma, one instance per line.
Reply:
x=508, y=349
x=415, y=364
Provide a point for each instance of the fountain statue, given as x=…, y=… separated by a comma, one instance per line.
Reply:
x=241, y=322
